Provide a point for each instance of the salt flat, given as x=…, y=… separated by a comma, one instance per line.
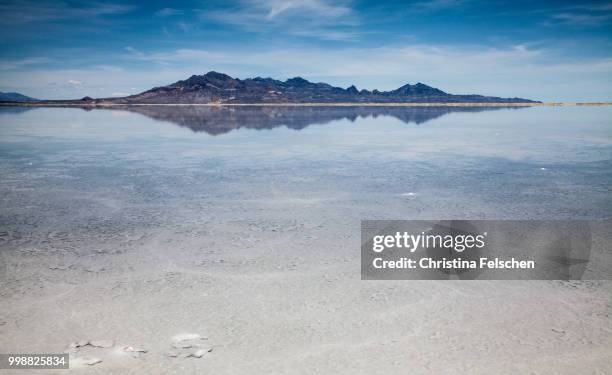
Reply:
x=118, y=227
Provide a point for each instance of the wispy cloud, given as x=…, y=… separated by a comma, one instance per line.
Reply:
x=13, y=64
x=577, y=19
x=322, y=19
x=593, y=7
x=580, y=15
x=318, y=8
x=27, y=11
x=168, y=12
x=134, y=51
x=437, y=5
x=325, y=34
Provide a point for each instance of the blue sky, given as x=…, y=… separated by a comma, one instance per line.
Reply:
x=543, y=50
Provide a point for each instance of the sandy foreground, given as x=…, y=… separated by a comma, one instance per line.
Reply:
x=285, y=297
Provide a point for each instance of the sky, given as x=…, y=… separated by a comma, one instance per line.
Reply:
x=543, y=50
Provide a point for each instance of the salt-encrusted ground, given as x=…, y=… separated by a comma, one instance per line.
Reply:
x=141, y=234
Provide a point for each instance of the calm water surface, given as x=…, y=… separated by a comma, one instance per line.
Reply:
x=69, y=168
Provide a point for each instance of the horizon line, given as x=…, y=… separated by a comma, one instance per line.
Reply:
x=71, y=103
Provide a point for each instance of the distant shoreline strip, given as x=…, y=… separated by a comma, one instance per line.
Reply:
x=105, y=105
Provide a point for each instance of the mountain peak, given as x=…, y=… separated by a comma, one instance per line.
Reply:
x=297, y=81
x=352, y=89
x=216, y=75
x=210, y=76
x=419, y=89
x=211, y=79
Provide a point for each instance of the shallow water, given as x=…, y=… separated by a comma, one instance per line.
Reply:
x=398, y=162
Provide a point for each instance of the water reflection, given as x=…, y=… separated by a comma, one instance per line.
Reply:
x=539, y=162
x=221, y=120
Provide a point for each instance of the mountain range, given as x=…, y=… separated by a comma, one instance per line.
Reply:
x=214, y=87
x=15, y=97
x=220, y=88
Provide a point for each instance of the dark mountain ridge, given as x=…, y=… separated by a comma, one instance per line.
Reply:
x=15, y=97
x=214, y=87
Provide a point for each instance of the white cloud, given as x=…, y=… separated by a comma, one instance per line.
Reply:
x=134, y=51
x=597, y=7
x=582, y=19
x=75, y=82
x=168, y=12
x=322, y=19
x=22, y=63
x=580, y=15
x=318, y=8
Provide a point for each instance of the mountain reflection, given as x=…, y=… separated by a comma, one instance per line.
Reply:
x=221, y=120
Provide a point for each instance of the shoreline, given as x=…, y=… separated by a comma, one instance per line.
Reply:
x=479, y=104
